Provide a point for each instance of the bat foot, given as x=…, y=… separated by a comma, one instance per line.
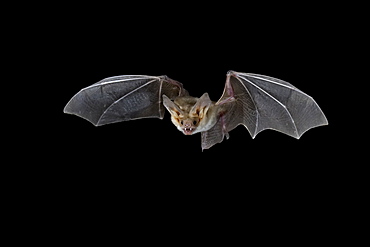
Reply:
x=224, y=129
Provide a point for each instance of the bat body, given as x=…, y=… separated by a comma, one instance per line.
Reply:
x=258, y=102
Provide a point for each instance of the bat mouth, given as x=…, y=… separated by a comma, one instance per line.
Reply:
x=188, y=131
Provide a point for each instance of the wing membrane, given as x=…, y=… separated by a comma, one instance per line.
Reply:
x=261, y=102
x=123, y=98
x=281, y=106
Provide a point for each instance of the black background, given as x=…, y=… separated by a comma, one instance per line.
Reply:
x=196, y=49
x=148, y=163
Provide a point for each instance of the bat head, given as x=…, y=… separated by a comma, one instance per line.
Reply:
x=187, y=125
x=188, y=113
x=181, y=116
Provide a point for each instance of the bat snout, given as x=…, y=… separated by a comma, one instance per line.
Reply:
x=188, y=130
x=187, y=126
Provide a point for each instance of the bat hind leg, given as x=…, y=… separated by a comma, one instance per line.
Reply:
x=224, y=128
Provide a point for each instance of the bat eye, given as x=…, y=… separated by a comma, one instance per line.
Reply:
x=194, y=122
x=182, y=122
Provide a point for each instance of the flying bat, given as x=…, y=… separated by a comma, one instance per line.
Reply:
x=256, y=101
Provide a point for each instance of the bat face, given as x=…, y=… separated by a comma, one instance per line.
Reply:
x=191, y=115
x=181, y=115
x=187, y=125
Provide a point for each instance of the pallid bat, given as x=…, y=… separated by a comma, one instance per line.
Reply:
x=256, y=101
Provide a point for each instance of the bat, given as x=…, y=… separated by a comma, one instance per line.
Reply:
x=256, y=101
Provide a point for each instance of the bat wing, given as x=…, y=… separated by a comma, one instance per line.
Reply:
x=260, y=102
x=123, y=98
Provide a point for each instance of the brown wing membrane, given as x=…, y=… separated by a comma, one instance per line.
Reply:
x=123, y=98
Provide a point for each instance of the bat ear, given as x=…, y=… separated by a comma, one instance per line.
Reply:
x=201, y=107
x=172, y=107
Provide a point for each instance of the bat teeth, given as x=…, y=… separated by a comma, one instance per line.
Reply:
x=188, y=131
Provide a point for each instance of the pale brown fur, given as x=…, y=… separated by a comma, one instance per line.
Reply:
x=190, y=114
